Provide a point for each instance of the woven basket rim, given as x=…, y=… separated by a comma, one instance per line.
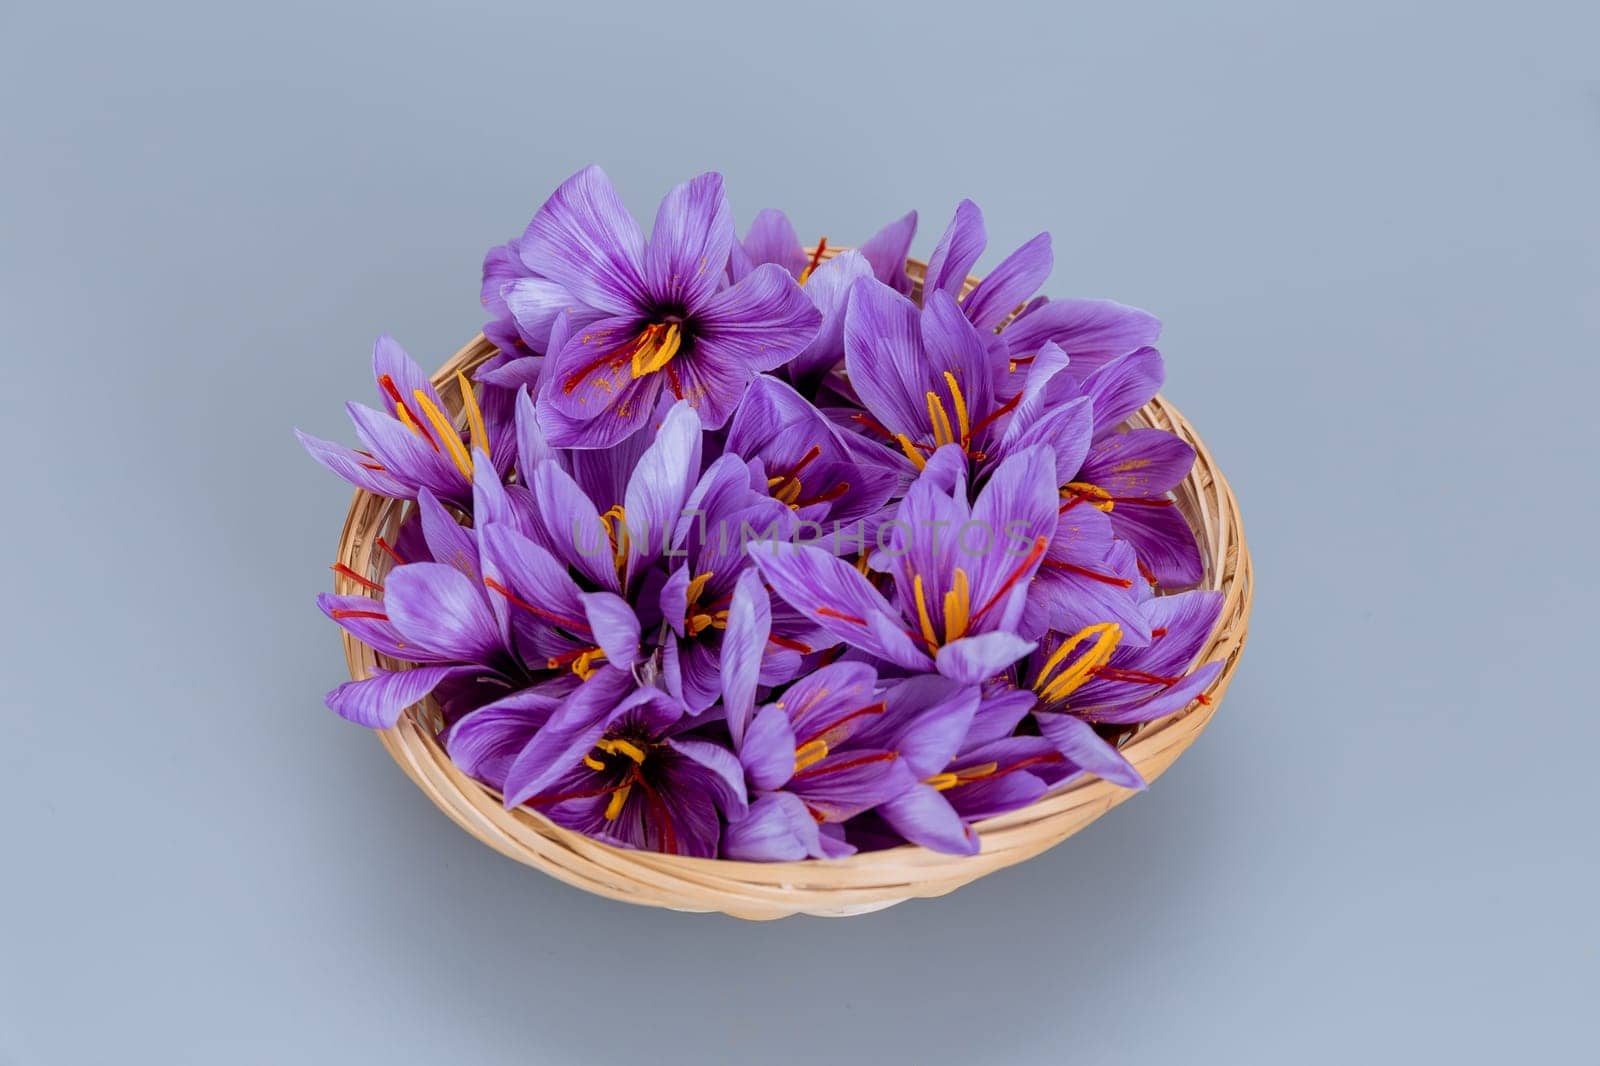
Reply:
x=852, y=884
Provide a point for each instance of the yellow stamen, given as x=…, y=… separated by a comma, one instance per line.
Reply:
x=403, y=413
x=656, y=347
x=1106, y=636
x=592, y=763
x=447, y=434
x=957, y=606
x=939, y=419
x=583, y=665
x=615, y=522
x=697, y=623
x=618, y=799
x=963, y=419
x=911, y=450
x=1093, y=494
x=922, y=612
x=810, y=753
x=697, y=586
x=475, y=430
x=948, y=780
x=613, y=745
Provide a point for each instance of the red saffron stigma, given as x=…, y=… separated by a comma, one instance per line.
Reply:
x=825, y=497
x=1136, y=677
x=1158, y=632
x=848, y=764
x=1146, y=573
x=1083, y=571
x=792, y=645
x=872, y=708
x=984, y=422
x=1039, y=545
x=343, y=612
x=549, y=616
x=387, y=384
x=828, y=612
x=389, y=550
x=816, y=256
x=344, y=571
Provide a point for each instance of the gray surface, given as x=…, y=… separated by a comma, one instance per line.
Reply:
x=1371, y=231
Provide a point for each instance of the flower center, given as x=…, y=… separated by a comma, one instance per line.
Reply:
x=444, y=432
x=697, y=619
x=1059, y=678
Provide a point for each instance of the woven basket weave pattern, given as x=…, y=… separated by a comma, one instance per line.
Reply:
x=833, y=888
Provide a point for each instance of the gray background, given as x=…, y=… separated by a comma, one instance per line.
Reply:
x=1371, y=231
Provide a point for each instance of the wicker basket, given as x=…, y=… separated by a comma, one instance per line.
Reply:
x=834, y=887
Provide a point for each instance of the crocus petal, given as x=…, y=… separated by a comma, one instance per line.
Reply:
x=448, y=541
x=767, y=749
x=1164, y=542
x=834, y=595
x=772, y=239
x=1123, y=386
x=378, y=701
x=355, y=468
x=569, y=733
x=1092, y=332
x=659, y=486
x=389, y=360
x=485, y=742
x=726, y=775
x=955, y=347
x=585, y=241
x=885, y=358
x=535, y=304
x=1066, y=430
x=614, y=625
x=438, y=608
x=406, y=456
x=1138, y=463
x=759, y=323
x=1088, y=750
x=887, y=249
x=743, y=644
x=923, y=816
x=689, y=244
x=929, y=718
x=973, y=660
x=845, y=783
x=829, y=289
x=1020, y=502
x=363, y=618
x=572, y=527
x=1009, y=285
x=778, y=828
x=957, y=252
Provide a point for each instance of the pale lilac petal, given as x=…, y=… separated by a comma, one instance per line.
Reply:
x=829, y=289
x=485, y=742
x=778, y=828
x=772, y=239
x=973, y=660
x=1010, y=284
x=768, y=747
x=887, y=249
x=378, y=701
x=614, y=625
x=1086, y=749
x=923, y=816
x=885, y=358
x=572, y=526
x=845, y=783
x=744, y=643
x=1138, y=463
x=389, y=360
x=406, y=456
x=535, y=304
x=1164, y=542
x=1123, y=386
x=438, y=608
x=954, y=346
x=659, y=486
x=725, y=774
x=688, y=250
x=448, y=541
x=1092, y=332
x=957, y=252
x=355, y=468
x=759, y=323
x=584, y=240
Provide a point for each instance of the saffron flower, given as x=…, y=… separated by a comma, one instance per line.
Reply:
x=412, y=443
x=644, y=318
x=737, y=550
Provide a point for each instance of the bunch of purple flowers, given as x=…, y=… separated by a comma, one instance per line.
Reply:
x=751, y=552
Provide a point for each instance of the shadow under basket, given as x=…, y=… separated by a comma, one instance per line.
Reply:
x=863, y=882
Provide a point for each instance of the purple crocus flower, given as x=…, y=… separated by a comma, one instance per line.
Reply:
x=926, y=380
x=616, y=762
x=960, y=571
x=639, y=318
x=809, y=464
x=967, y=763
x=412, y=444
x=806, y=772
x=1091, y=678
